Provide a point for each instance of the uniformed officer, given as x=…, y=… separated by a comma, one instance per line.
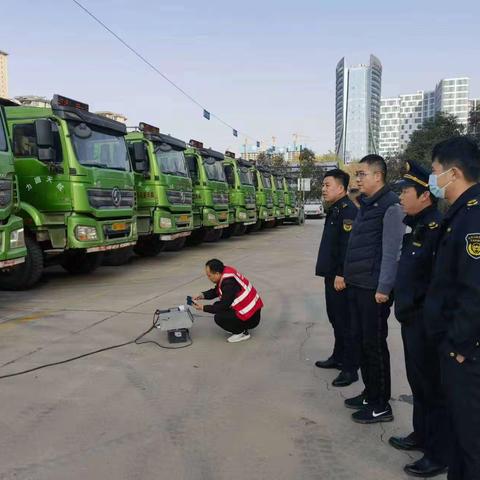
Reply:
x=430, y=422
x=330, y=260
x=452, y=306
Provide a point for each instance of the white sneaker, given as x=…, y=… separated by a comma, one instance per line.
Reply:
x=240, y=337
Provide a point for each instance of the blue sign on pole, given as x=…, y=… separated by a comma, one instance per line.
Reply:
x=206, y=114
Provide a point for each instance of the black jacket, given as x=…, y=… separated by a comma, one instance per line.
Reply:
x=336, y=232
x=452, y=306
x=230, y=289
x=416, y=263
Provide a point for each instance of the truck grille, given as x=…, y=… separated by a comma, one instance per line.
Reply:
x=111, y=198
x=250, y=200
x=179, y=197
x=268, y=198
x=110, y=233
x=220, y=198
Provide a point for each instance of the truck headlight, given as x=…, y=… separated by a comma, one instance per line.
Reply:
x=17, y=238
x=85, y=234
x=165, y=222
x=211, y=217
x=242, y=215
x=6, y=187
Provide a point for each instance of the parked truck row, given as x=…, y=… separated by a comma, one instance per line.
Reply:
x=78, y=189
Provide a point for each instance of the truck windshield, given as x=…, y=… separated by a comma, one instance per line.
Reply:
x=3, y=138
x=214, y=170
x=267, y=183
x=278, y=183
x=246, y=177
x=171, y=161
x=96, y=147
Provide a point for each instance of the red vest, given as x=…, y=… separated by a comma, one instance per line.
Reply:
x=247, y=302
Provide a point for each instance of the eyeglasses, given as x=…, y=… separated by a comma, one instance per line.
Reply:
x=364, y=174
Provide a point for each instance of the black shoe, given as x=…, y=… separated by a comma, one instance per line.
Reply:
x=425, y=468
x=329, y=363
x=373, y=415
x=357, y=403
x=345, y=379
x=405, y=443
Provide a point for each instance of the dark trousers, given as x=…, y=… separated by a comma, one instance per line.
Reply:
x=339, y=316
x=229, y=321
x=462, y=385
x=369, y=341
x=430, y=417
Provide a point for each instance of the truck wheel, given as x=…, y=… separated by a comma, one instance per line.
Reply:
x=175, y=245
x=255, y=227
x=241, y=229
x=26, y=274
x=80, y=262
x=149, y=246
x=197, y=236
x=116, y=258
x=214, y=235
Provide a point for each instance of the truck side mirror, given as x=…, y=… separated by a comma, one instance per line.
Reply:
x=139, y=157
x=44, y=140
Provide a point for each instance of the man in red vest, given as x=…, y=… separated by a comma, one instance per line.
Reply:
x=238, y=309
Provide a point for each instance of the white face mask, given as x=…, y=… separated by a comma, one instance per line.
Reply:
x=437, y=191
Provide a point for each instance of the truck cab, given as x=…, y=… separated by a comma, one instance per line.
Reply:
x=262, y=179
x=164, y=190
x=294, y=211
x=76, y=187
x=278, y=197
x=210, y=192
x=12, y=242
x=242, y=207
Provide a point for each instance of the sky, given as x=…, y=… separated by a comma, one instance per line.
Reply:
x=267, y=68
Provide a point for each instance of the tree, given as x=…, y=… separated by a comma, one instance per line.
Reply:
x=422, y=141
x=473, y=128
x=309, y=169
x=329, y=157
x=278, y=163
x=263, y=160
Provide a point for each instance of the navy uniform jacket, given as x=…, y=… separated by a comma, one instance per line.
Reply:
x=336, y=232
x=416, y=263
x=452, y=306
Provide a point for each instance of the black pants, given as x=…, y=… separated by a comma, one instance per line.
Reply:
x=430, y=417
x=339, y=316
x=369, y=341
x=229, y=321
x=462, y=385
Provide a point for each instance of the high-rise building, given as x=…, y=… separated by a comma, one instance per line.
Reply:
x=118, y=117
x=357, y=109
x=401, y=116
x=3, y=74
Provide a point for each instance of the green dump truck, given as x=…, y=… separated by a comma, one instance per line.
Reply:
x=210, y=192
x=76, y=187
x=164, y=190
x=293, y=203
x=278, y=197
x=262, y=180
x=242, y=206
x=12, y=242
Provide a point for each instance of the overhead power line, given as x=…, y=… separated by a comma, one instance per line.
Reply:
x=206, y=113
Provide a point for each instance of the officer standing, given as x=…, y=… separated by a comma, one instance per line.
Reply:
x=430, y=422
x=452, y=305
x=330, y=260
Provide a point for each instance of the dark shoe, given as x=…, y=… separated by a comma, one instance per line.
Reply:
x=329, y=363
x=425, y=468
x=405, y=443
x=357, y=403
x=373, y=415
x=345, y=378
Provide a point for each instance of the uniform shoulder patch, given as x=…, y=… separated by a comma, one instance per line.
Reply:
x=472, y=203
x=473, y=245
x=433, y=225
x=347, y=224
x=344, y=205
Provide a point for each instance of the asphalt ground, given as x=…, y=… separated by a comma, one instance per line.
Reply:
x=254, y=410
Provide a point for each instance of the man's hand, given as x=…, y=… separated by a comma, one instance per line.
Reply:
x=460, y=358
x=381, y=298
x=199, y=297
x=197, y=306
x=339, y=283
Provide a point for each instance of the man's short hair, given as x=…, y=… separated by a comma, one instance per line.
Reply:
x=340, y=175
x=461, y=152
x=420, y=190
x=215, y=265
x=377, y=162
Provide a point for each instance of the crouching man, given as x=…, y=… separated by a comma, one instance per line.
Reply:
x=238, y=309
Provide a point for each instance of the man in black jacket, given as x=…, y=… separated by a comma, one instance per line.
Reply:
x=452, y=305
x=431, y=433
x=370, y=268
x=330, y=260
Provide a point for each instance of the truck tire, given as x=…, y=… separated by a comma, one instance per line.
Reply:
x=149, y=246
x=241, y=230
x=80, y=262
x=214, y=235
x=255, y=227
x=175, y=245
x=197, y=237
x=231, y=230
x=116, y=258
x=27, y=274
